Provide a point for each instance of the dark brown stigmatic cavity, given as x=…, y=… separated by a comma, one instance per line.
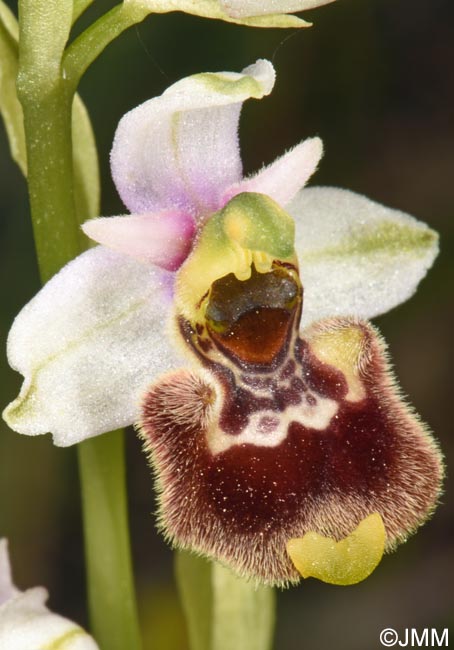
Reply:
x=279, y=434
x=251, y=320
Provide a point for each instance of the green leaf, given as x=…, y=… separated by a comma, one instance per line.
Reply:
x=10, y=107
x=86, y=168
x=223, y=611
x=8, y=19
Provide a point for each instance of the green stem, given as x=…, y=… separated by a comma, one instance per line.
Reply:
x=243, y=613
x=107, y=549
x=47, y=124
x=47, y=106
x=223, y=612
x=47, y=99
x=89, y=45
x=111, y=592
x=193, y=575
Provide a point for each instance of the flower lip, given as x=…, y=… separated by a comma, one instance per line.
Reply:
x=308, y=450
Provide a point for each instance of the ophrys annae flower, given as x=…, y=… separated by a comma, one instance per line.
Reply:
x=287, y=449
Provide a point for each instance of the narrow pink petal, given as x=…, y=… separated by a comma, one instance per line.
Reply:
x=163, y=238
x=285, y=176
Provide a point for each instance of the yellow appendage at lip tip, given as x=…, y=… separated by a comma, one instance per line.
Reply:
x=340, y=563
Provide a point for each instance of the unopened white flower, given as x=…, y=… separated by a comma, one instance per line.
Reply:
x=254, y=13
x=241, y=8
x=27, y=624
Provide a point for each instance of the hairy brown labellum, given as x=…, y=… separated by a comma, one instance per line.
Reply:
x=280, y=435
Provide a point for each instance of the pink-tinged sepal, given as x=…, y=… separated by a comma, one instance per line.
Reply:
x=163, y=238
x=253, y=466
x=180, y=151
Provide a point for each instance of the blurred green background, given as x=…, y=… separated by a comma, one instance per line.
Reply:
x=373, y=78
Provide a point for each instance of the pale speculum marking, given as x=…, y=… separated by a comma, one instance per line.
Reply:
x=267, y=412
x=249, y=340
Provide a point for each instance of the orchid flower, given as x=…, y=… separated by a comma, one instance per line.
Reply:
x=25, y=621
x=277, y=450
x=254, y=13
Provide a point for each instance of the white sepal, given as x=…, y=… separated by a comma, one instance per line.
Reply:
x=88, y=344
x=357, y=257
